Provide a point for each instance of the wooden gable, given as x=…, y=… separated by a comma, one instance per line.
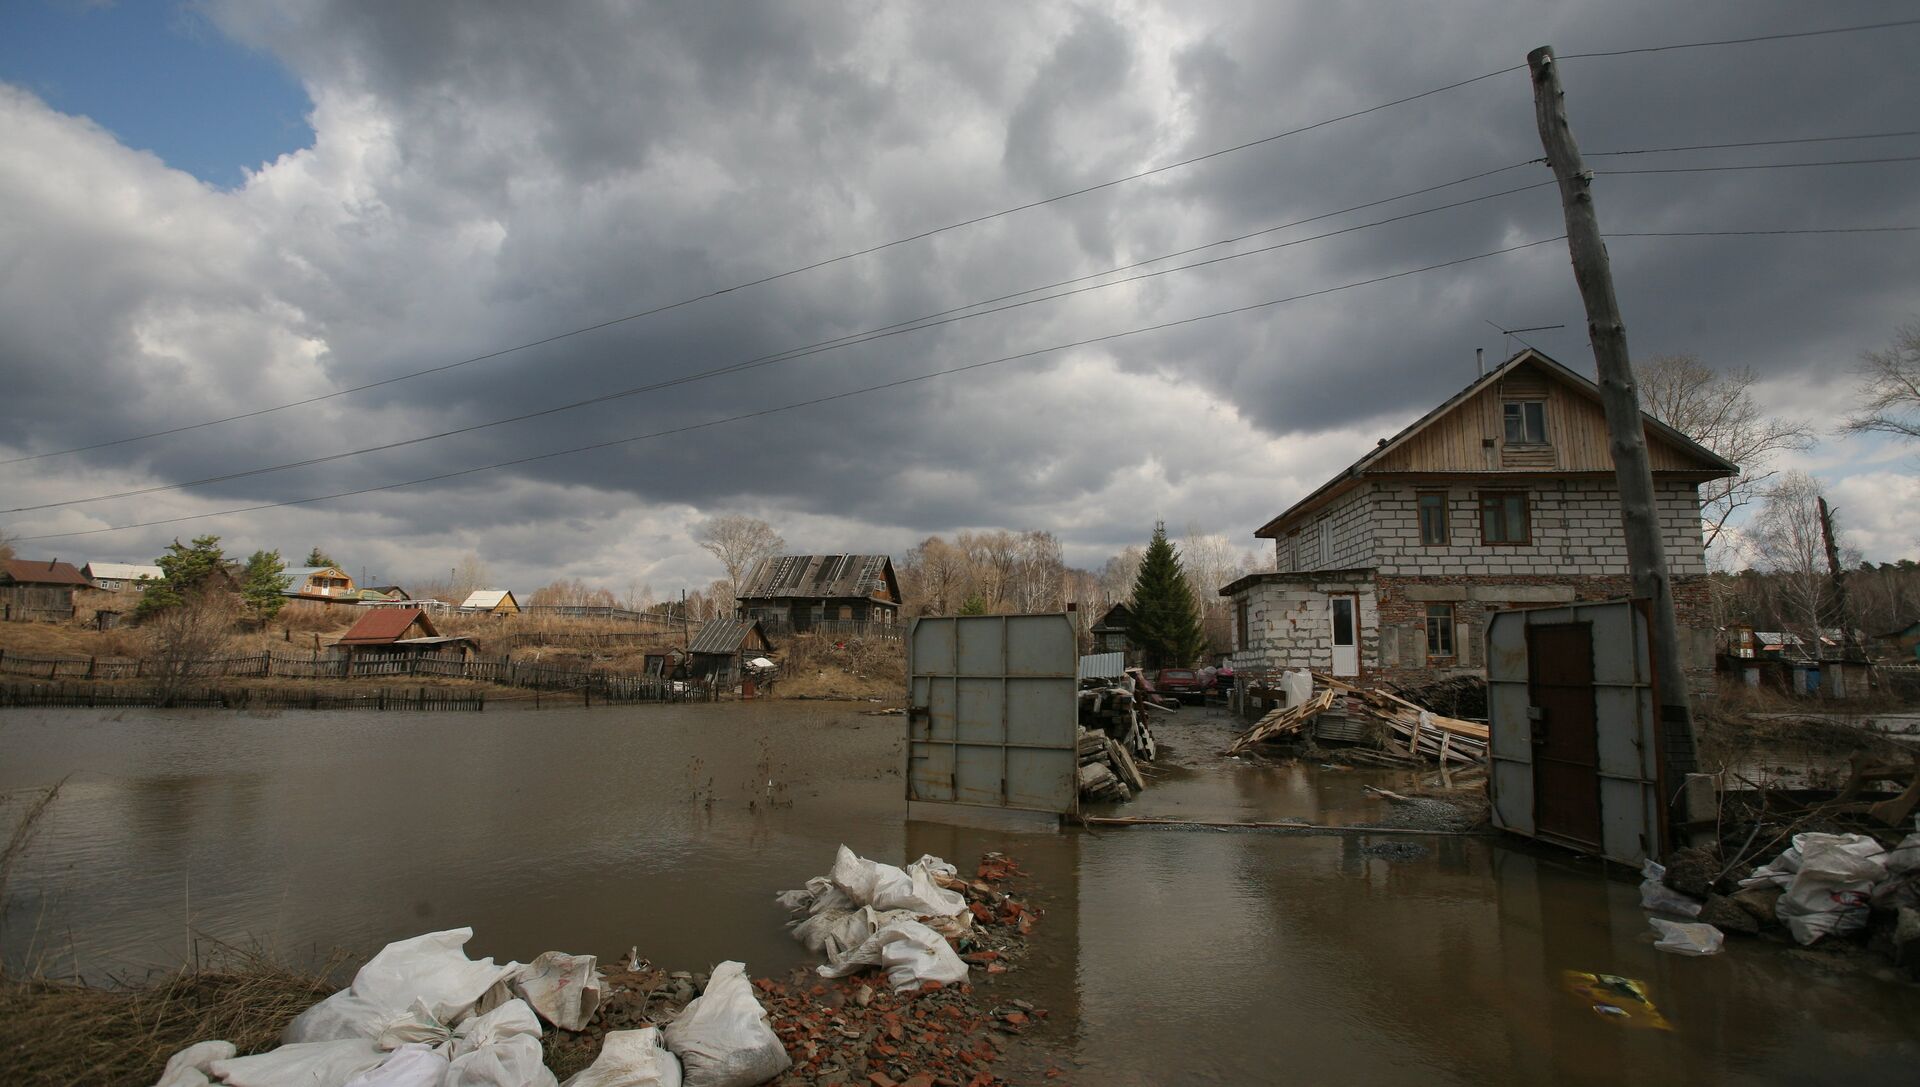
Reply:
x=1470, y=436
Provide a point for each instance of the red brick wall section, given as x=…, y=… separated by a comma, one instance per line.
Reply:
x=1397, y=610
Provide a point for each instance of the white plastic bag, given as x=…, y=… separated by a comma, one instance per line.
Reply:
x=630, y=1058
x=188, y=1068
x=563, y=989
x=430, y=968
x=498, y=1049
x=1655, y=895
x=723, y=1038
x=415, y=1064
x=1685, y=939
x=302, y=1064
x=416, y=1024
x=912, y=953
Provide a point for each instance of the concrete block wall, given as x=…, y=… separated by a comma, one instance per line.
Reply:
x=1353, y=521
x=1290, y=623
x=1575, y=529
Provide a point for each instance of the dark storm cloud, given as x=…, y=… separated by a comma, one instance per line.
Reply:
x=488, y=175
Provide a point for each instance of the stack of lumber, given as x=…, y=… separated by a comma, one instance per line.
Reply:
x=1282, y=722
x=1121, y=709
x=1418, y=732
x=1107, y=771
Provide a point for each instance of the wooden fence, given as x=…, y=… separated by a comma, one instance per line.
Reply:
x=504, y=671
x=856, y=629
x=94, y=695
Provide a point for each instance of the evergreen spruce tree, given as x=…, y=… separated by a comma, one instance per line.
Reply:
x=1165, y=625
x=184, y=570
x=317, y=557
x=266, y=579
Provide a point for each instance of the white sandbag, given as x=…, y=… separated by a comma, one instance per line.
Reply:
x=1297, y=686
x=1841, y=858
x=415, y=1064
x=302, y=1064
x=563, y=989
x=1685, y=939
x=1657, y=896
x=818, y=896
x=723, y=1038
x=189, y=1067
x=431, y=968
x=416, y=1024
x=884, y=887
x=912, y=953
x=630, y=1058
x=1813, y=908
x=498, y=1049
x=1905, y=857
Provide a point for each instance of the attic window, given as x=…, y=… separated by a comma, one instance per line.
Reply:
x=1526, y=421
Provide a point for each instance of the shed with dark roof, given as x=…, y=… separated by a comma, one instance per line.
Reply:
x=38, y=589
x=720, y=648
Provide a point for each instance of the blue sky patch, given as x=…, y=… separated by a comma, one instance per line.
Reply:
x=160, y=76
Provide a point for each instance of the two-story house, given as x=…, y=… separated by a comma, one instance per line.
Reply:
x=1501, y=497
x=798, y=592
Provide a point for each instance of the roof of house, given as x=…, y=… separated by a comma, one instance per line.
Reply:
x=725, y=636
x=389, y=590
x=1115, y=618
x=122, y=571
x=41, y=572
x=300, y=574
x=384, y=626
x=822, y=577
x=489, y=598
x=1710, y=461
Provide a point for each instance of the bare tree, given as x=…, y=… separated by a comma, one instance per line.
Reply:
x=1787, y=535
x=470, y=575
x=934, y=577
x=738, y=541
x=181, y=638
x=1718, y=411
x=1121, y=571
x=6, y=546
x=1039, y=573
x=1889, y=393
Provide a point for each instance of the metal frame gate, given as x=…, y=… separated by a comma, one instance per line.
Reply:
x=993, y=713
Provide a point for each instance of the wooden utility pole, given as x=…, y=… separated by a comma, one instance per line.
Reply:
x=1626, y=433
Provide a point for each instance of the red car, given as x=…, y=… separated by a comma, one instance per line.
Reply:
x=1182, y=683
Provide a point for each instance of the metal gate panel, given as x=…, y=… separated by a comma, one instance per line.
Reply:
x=992, y=711
x=1632, y=817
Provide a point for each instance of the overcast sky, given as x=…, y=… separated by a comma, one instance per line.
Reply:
x=213, y=209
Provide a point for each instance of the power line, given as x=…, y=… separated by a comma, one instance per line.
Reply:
x=1743, y=41
x=763, y=280
x=1109, y=337
x=1757, y=233
x=1758, y=166
x=902, y=328
x=1754, y=143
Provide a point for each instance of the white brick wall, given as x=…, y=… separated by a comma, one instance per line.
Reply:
x=1290, y=623
x=1353, y=537
x=1575, y=530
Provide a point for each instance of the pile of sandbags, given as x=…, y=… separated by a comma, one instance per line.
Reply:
x=1831, y=883
x=864, y=914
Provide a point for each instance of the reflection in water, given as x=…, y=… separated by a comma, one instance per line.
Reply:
x=1165, y=955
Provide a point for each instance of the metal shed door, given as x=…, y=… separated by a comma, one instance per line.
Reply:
x=992, y=711
x=1566, y=737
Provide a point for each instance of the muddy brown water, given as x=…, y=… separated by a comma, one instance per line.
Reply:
x=1165, y=956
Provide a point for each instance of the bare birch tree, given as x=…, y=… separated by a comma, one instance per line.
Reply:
x=1718, y=411
x=1787, y=535
x=738, y=541
x=1889, y=393
x=182, y=638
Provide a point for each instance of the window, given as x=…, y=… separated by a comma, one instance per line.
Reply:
x=1433, y=519
x=1439, y=630
x=1526, y=422
x=1240, y=610
x=1326, y=540
x=1503, y=518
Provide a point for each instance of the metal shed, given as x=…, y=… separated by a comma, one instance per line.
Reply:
x=1575, y=745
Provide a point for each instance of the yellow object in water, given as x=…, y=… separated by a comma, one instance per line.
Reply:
x=1615, y=997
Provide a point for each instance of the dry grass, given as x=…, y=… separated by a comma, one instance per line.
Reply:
x=822, y=666
x=60, y=1032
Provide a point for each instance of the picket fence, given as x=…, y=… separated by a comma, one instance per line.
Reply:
x=93, y=695
x=504, y=671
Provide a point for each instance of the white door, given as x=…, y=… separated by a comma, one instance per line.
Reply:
x=1346, y=635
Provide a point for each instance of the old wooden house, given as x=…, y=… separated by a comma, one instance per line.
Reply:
x=120, y=577
x=391, y=632
x=38, y=589
x=1110, y=630
x=1501, y=497
x=799, y=592
x=721, y=648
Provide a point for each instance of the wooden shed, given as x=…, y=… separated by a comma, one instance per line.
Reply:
x=38, y=590
x=720, y=650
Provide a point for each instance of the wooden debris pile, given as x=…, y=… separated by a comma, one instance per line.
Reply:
x=1410, y=730
x=1107, y=770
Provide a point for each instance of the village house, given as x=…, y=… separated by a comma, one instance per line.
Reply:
x=319, y=582
x=720, y=651
x=1110, y=630
x=491, y=602
x=119, y=577
x=38, y=589
x=1501, y=497
x=796, y=592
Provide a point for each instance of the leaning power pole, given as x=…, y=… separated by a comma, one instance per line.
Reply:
x=1626, y=433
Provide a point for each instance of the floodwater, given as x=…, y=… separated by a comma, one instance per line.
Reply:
x=1164, y=956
